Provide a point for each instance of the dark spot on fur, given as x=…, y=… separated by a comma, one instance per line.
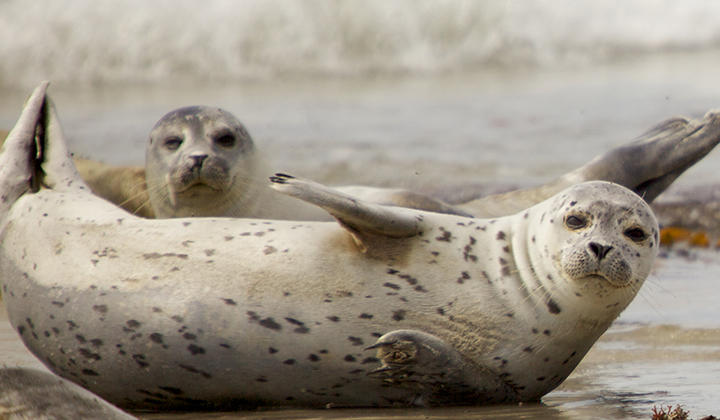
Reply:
x=71, y=325
x=392, y=286
x=195, y=350
x=356, y=341
x=88, y=354
x=177, y=318
x=229, y=301
x=500, y=236
x=171, y=390
x=194, y=370
x=333, y=318
x=272, y=350
x=140, y=360
x=391, y=271
x=528, y=349
x=58, y=304
x=189, y=336
x=350, y=358
x=133, y=323
x=90, y=372
x=553, y=307
x=271, y=324
x=399, y=315
x=365, y=316
x=446, y=235
x=156, y=338
x=289, y=362
x=80, y=338
x=370, y=360
x=314, y=358
x=301, y=328
x=261, y=379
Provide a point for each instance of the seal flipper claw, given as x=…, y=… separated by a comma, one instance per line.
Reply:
x=355, y=215
x=435, y=370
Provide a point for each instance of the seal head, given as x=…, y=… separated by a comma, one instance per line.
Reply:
x=199, y=161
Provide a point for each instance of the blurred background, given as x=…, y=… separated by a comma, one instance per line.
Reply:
x=403, y=92
x=412, y=93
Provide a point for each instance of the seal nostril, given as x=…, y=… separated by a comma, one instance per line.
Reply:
x=600, y=251
x=198, y=159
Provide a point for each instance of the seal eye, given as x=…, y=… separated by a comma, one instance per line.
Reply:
x=172, y=143
x=226, y=140
x=635, y=234
x=575, y=221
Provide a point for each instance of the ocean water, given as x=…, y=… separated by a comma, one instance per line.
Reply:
x=411, y=93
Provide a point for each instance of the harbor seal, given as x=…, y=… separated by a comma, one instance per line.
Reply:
x=388, y=306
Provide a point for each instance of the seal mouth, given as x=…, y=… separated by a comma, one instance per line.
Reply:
x=197, y=188
x=598, y=277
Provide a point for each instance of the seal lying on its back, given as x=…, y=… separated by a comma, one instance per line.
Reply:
x=391, y=306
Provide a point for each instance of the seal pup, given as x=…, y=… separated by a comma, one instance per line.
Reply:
x=388, y=306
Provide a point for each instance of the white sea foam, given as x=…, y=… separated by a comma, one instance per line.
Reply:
x=108, y=41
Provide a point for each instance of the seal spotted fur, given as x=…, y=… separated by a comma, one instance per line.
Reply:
x=390, y=306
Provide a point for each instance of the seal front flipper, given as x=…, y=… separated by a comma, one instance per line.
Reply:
x=353, y=214
x=436, y=371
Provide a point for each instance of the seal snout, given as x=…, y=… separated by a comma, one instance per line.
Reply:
x=599, y=250
x=197, y=160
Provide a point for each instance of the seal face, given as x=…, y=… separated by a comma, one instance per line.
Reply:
x=199, y=161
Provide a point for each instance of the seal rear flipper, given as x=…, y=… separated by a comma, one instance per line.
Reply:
x=18, y=160
x=58, y=170
x=437, y=372
x=649, y=164
x=355, y=215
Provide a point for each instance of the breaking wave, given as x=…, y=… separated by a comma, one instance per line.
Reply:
x=106, y=41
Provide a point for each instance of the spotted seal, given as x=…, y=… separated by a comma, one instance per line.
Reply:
x=389, y=306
